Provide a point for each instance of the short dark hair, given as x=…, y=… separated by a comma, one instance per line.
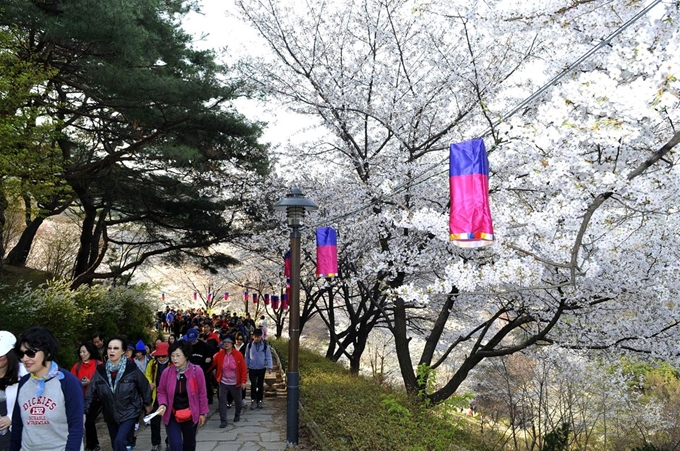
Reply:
x=98, y=335
x=90, y=347
x=119, y=338
x=41, y=339
x=183, y=346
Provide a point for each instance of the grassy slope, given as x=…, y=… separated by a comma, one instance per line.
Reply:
x=355, y=413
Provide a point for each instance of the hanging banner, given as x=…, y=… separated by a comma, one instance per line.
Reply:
x=245, y=296
x=286, y=264
x=226, y=296
x=266, y=299
x=284, y=301
x=470, y=222
x=163, y=297
x=326, y=252
x=275, y=302
x=195, y=295
x=254, y=298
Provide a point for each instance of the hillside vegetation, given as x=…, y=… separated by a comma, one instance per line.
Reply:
x=350, y=412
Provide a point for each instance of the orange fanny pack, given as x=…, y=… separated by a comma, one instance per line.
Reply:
x=182, y=415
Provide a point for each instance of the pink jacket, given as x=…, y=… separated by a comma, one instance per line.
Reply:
x=198, y=396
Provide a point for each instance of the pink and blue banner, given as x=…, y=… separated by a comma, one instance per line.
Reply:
x=286, y=264
x=275, y=302
x=226, y=296
x=255, y=298
x=470, y=222
x=266, y=299
x=326, y=252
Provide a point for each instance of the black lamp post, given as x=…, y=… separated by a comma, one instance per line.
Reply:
x=295, y=205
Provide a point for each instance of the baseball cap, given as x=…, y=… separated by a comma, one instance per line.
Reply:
x=226, y=340
x=7, y=342
x=191, y=335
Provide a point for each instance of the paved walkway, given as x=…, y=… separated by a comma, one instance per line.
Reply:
x=259, y=430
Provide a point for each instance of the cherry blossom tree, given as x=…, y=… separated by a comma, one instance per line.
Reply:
x=583, y=181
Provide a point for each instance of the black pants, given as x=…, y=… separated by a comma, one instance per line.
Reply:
x=256, y=384
x=156, y=426
x=91, y=439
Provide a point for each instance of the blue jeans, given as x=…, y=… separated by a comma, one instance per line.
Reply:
x=119, y=433
x=181, y=436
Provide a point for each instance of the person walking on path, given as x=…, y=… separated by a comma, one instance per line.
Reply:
x=232, y=376
x=240, y=346
x=123, y=391
x=182, y=398
x=48, y=414
x=11, y=370
x=141, y=359
x=258, y=360
x=84, y=372
x=154, y=370
x=201, y=355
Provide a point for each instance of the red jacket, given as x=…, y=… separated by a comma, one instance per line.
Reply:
x=241, y=371
x=85, y=369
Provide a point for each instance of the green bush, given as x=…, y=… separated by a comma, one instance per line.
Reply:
x=73, y=316
x=357, y=414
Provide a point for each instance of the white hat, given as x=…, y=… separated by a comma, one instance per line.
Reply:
x=7, y=341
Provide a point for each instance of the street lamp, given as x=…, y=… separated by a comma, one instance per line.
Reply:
x=295, y=205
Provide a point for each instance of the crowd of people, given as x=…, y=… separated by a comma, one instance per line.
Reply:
x=44, y=407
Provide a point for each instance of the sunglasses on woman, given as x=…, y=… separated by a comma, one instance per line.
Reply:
x=30, y=353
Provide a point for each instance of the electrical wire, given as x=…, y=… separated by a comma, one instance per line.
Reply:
x=415, y=182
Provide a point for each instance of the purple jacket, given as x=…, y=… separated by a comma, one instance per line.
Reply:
x=198, y=396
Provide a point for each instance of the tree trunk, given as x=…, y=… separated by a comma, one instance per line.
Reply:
x=3, y=206
x=401, y=342
x=331, y=320
x=438, y=329
x=87, y=232
x=19, y=254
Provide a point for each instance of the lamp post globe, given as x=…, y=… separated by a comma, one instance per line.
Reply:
x=296, y=206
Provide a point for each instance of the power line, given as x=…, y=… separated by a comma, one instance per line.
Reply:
x=415, y=182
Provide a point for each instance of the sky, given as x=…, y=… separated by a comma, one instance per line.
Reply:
x=216, y=29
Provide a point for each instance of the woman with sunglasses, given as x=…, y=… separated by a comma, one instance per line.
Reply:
x=124, y=392
x=48, y=414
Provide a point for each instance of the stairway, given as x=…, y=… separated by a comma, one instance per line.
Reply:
x=275, y=382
